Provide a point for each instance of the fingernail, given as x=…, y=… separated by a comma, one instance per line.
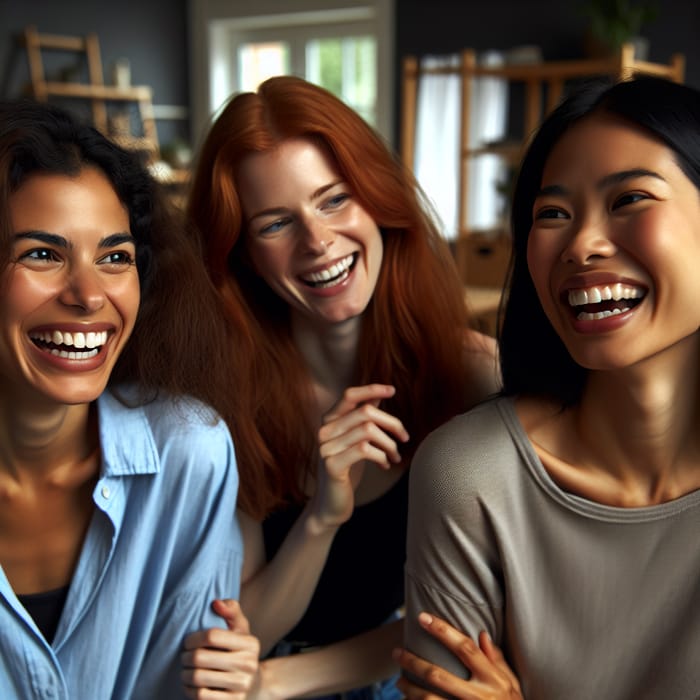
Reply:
x=425, y=619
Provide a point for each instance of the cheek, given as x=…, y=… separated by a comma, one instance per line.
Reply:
x=24, y=292
x=651, y=234
x=377, y=246
x=266, y=261
x=126, y=296
x=542, y=256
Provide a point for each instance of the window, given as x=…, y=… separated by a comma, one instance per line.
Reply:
x=345, y=65
x=344, y=49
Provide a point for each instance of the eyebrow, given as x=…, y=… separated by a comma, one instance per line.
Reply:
x=607, y=181
x=325, y=188
x=61, y=242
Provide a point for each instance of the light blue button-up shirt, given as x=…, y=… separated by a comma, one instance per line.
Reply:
x=163, y=543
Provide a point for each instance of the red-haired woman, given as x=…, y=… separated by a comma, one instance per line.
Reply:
x=349, y=343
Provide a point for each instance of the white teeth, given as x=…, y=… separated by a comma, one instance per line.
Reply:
x=90, y=340
x=601, y=314
x=331, y=272
x=594, y=295
x=75, y=355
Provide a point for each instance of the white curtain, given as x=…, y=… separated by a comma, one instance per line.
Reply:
x=437, y=142
x=436, y=163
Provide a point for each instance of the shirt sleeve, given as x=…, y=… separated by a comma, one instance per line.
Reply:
x=452, y=569
x=207, y=556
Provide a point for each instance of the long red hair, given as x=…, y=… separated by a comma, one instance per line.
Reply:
x=412, y=330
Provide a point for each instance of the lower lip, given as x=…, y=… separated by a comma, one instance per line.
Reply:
x=72, y=365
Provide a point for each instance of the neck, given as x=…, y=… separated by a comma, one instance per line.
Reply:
x=329, y=350
x=46, y=443
x=642, y=422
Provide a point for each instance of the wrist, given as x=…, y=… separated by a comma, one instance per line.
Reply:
x=271, y=683
x=316, y=525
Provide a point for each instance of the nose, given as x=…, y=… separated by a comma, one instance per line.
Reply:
x=83, y=289
x=316, y=236
x=590, y=240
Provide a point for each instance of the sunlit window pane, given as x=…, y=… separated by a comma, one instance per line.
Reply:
x=347, y=67
x=259, y=61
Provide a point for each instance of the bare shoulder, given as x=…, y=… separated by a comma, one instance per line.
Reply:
x=481, y=364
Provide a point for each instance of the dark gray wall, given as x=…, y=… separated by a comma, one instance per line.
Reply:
x=443, y=26
x=152, y=34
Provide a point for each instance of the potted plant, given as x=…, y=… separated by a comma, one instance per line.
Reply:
x=615, y=22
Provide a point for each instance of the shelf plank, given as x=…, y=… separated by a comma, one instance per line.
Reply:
x=98, y=92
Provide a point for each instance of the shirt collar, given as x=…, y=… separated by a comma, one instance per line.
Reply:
x=126, y=439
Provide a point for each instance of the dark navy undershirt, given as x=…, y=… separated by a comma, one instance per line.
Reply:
x=45, y=609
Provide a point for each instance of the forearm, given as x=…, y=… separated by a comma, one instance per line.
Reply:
x=275, y=598
x=339, y=667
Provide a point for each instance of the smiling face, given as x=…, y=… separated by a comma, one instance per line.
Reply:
x=307, y=234
x=70, y=295
x=614, y=244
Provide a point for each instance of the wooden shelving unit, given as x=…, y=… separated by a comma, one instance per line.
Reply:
x=100, y=98
x=94, y=91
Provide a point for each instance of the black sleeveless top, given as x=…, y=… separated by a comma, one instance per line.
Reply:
x=362, y=583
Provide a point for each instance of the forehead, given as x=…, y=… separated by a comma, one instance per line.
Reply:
x=602, y=143
x=296, y=165
x=61, y=203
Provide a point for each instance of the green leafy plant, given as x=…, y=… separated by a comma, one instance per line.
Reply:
x=613, y=22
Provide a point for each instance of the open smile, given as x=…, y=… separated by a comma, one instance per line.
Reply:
x=332, y=275
x=70, y=346
x=598, y=302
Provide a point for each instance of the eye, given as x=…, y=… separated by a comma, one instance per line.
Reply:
x=550, y=213
x=629, y=198
x=274, y=227
x=117, y=258
x=39, y=255
x=335, y=201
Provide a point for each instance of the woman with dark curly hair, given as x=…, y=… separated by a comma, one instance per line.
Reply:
x=117, y=484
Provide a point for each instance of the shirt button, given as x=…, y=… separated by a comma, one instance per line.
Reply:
x=106, y=492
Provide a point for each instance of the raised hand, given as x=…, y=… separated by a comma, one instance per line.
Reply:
x=491, y=677
x=222, y=664
x=355, y=431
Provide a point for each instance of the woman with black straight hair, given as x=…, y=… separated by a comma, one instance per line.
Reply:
x=559, y=521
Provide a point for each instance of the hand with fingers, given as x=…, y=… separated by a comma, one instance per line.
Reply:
x=355, y=431
x=491, y=677
x=222, y=664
